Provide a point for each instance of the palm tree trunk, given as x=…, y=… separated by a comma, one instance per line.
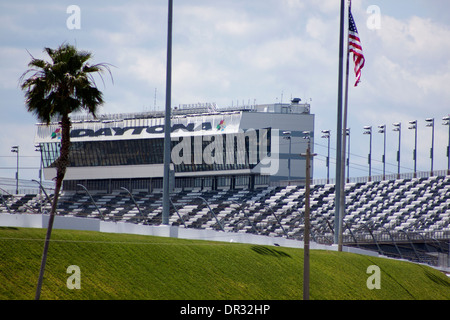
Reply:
x=61, y=164
x=47, y=238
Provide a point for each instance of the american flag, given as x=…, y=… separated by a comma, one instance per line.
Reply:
x=354, y=46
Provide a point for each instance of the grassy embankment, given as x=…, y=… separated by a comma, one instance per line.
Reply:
x=115, y=266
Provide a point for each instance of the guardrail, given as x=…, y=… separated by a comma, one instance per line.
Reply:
x=8, y=186
x=365, y=179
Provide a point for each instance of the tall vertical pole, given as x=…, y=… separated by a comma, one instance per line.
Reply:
x=17, y=173
x=399, y=150
x=414, y=126
x=384, y=153
x=289, y=160
x=398, y=127
x=415, y=152
x=287, y=136
x=344, y=141
x=432, y=150
x=430, y=123
x=447, y=122
x=340, y=134
x=383, y=158
x=41, y=167
x=369, y=156
x=306, y=236
x=327, y=135
x=347, y=133
x=328, y=161
x=167, y=126
x=15, y=149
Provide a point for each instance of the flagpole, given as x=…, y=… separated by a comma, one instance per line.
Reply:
x=339, y=127
x=344, y=143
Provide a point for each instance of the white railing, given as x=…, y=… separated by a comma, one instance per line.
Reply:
x=365, y=179
x=9, y=185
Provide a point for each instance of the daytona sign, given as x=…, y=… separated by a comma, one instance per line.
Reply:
x=142, y=128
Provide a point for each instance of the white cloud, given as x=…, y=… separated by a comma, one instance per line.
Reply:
x=294, y=4
x=317, y=28
x=224, y=51
x=407, y=63
x=415, y=38
x=13, y=62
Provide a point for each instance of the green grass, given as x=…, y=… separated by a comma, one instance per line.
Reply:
x=117, y=266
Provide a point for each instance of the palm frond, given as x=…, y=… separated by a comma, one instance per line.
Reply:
x=63, y=85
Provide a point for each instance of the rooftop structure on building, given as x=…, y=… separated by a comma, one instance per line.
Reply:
x=233, y=147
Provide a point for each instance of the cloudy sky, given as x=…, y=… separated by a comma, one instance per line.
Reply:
x=238, y=52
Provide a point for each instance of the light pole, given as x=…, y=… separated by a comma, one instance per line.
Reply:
x=167, y=117
x=38, y=148
x=447, y=123
x=326, y=135
x=135, y=203
x=92, y=199
x=398, y=128
x=368, y=130
x=413, y=125
x=287, y=136
x=41, y=188
x=430, y=123
x=347, y=134
x=211, y=211
x=15, y=149
x=306, y=263
x=383, y=130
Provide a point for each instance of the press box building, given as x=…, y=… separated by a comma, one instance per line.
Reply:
x=238, y=147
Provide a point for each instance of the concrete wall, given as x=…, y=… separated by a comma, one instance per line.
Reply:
x=88, y=224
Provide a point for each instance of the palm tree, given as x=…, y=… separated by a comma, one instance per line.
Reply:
x=53, y=91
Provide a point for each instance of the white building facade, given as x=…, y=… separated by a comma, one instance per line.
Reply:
x=211, y=148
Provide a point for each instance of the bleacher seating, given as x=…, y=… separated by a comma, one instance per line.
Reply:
x=394, y=206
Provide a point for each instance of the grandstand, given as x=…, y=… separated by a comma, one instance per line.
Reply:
x=402, y=218
x=219, y=180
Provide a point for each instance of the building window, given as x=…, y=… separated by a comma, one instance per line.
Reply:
x=237, y=153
